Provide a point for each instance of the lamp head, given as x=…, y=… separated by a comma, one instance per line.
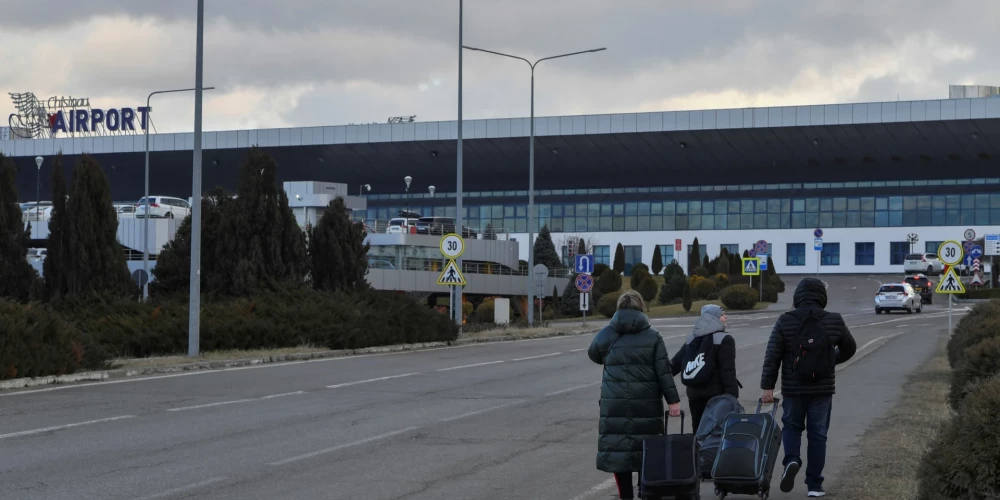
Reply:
x=431, y=189
x=38, y=161
x=408, y=180
x=368, y=187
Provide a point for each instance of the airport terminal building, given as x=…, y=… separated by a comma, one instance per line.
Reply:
x=870, y=175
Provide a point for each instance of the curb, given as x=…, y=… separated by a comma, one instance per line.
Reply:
x=122, y=373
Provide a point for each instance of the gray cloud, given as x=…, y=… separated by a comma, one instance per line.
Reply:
x=317, y=62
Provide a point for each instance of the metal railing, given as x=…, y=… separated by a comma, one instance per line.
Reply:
x=383, y=226
x=437, y=265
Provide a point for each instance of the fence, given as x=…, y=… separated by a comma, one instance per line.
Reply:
x=391, y=262
x=384, y=226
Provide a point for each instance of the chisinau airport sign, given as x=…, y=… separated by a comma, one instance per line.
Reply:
x=92, y=120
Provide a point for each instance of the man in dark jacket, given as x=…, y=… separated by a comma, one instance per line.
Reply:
x=636, y=380
x=710, y=327
x=807, y=404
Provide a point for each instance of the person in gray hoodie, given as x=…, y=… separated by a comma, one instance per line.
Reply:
x=707, y=362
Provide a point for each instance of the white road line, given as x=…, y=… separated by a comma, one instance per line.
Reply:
x=343, y=446
x=477, y=412
x=564, y=391
x=209, y=405
x=468, y=366
x=610, y=483
x=578, y=350
x=872, y=341
x=537, y=357
x=61, y=427
x=283, y=395
x=182, y=489
x=346, y=384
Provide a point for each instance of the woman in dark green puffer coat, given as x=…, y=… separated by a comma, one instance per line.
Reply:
x=637, y=378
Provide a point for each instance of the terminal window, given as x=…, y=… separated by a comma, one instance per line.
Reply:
x=830, y=255
x=864, y=254
x=666, y=254
x=897, y=252
x=932, y=246
x=633, y=256
x=796, y=254
x=602, y=254
x=731, y=248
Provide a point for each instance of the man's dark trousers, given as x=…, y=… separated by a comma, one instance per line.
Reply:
x=810, y=414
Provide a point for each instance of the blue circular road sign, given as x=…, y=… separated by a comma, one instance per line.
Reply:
x=584, y=282
x=817, y=233
x=976, y=252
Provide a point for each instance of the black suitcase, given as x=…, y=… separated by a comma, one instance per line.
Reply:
x=670, y=466
x=747, y=454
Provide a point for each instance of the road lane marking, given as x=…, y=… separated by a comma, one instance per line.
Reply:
x=379, y=379
x=477, y=412
x=564, y=391
x=343, y=446
x=283, y=395
x=578, y=350
x=61, y=427
x=209, y=405
x=537, y=357
x=467, y=366
x=610, y=483
x=182, y=489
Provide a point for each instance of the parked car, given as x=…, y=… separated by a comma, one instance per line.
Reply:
x=923, y=263
x=399, y=225
x=33, y=211
x=922, y=285
x=163, y=207
x=442, y=226
x=897, y=297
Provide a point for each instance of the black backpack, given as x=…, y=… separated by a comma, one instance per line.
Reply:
x=813, y=356
x=699, y=362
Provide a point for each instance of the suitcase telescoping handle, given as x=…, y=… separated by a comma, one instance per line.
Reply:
x=774, y=407
x=666, y=418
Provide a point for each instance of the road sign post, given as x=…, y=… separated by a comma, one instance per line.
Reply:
x=452, y=247
x=538, y=274
x=751, y=267
x=818, y=247
x=584, y=263
x=951, y=253
x=584, y=305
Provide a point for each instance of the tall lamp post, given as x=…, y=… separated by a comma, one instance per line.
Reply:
x=38, y=190
x=145, y=225
x=407, y=180
x=194, y=293
x=532, y=218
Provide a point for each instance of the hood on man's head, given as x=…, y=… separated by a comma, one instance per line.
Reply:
x=710, y=321
x=810, y=291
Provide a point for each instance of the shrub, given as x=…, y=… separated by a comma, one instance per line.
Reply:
x=770, y=293
x=640, y=267
x=980, y=362
x=687, y=298
x=610, y=281
x=778, y=284
x=608, y=303
x=467, y=310
x=982, y=322
x=485, y=311
x=672, y=270
x=694, y=279
x=701, y=271
x=712, y=296
x=657, y=260
x=599, y=269
x=722, y=280
x=739, y=298
x=638, y=274
x=962, y=460
x=647, y=288
x=36, y=342
x=722, y=265
x=703, y=288
x=672, y=289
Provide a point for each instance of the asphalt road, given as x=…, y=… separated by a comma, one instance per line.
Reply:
x=501, y=421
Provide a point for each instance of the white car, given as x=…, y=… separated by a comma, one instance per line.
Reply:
x=927, y=263
x=897, y=297
x=400, y=225
x=163, y=207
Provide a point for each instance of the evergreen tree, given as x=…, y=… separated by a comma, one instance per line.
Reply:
x=619, y=263
x=95, y=261
x=687, y=297
x=705, y=263
x=545, y=250
x=736, y=265
x=338, y=252
x=173, y=264
x=694, y=257
x=581, y=249
x=657, y=261
x=53, y=267
x=771, y=271
x=18, y=279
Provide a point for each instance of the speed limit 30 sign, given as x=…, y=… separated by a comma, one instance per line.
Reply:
x=452, y=246
x=950, y=252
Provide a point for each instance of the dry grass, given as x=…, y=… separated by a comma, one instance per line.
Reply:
x=890, y=451
x=131, y=363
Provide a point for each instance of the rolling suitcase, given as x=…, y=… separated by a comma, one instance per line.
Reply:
x=670, y=466
x=711, y=427
x=747, y=454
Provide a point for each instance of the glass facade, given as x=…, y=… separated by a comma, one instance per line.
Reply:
x=796, y=254
x=666, y=254
x=932, y=246
x=971, y=209
x=897, y=252
x=864, y=254
x=830, y=255
x=633, y=256
x=602, y=254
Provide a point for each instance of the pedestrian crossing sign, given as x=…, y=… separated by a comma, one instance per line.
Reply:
x=452, y=275
x=751, y=266
x=950, y=283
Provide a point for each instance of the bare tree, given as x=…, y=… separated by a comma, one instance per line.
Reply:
x=572, y=242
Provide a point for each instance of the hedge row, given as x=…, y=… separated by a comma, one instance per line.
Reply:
x=963, y=459
x=42, y=340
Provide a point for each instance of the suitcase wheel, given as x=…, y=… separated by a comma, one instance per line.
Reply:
x=720, y=494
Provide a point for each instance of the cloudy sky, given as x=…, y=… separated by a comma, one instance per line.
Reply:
x=326, y=62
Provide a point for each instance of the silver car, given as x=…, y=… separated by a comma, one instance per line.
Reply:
x=897, y=297
x=927, y=263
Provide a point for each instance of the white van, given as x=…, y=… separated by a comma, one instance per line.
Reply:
x=163, y=207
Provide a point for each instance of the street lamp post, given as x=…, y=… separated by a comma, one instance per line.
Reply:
x=38, y=190
x=194, y=293
x=407, y=180
x=532, y=218
x=145, y=200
